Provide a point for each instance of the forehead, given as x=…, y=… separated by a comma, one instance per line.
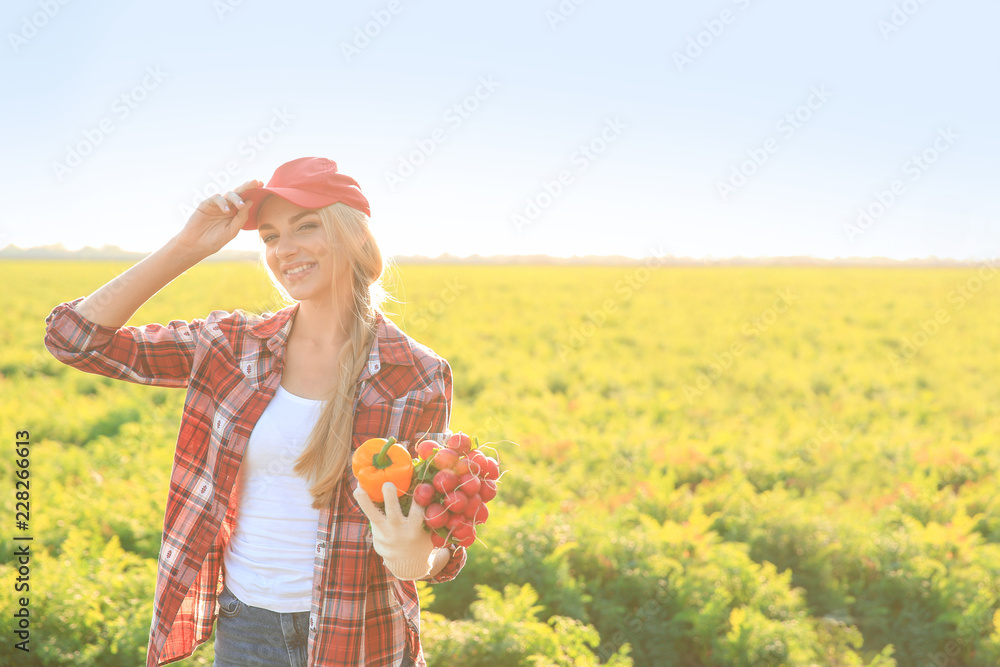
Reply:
x=276, y=211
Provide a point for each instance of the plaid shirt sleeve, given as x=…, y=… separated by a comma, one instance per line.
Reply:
x=151, y=354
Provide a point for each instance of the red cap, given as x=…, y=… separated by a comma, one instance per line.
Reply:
x=309, y=182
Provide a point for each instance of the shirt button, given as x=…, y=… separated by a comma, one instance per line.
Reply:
x=204, y=489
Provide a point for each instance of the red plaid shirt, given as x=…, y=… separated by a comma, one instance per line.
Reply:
x=231, y=365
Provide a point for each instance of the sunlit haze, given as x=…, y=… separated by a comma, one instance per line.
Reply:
x=586, y=127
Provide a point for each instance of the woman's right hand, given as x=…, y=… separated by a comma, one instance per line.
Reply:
x=211, y=226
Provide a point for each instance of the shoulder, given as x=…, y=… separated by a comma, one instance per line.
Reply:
x=228, y=320
x=252, y=318
x=398, y=347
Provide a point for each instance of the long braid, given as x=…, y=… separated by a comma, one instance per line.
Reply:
x=327, y=453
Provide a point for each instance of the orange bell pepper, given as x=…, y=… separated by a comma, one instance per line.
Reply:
x=378, y=461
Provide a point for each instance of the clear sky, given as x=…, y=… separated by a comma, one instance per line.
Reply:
x=703, y=129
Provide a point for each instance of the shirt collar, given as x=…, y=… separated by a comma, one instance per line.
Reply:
x=391, y=345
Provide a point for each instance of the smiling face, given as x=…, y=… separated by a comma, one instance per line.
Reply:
x=298, y=251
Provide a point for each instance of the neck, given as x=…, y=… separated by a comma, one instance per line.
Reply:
x=324, y=324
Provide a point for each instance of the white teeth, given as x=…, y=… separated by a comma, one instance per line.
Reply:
x=299, y=269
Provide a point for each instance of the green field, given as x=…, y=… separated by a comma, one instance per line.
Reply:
x=718, y=465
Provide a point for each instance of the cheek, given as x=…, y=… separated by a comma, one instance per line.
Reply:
x=272, y=263
x=329, y=258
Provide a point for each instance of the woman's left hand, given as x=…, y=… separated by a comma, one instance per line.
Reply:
x=400, y=540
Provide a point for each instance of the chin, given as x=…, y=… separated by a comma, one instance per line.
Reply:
x=306, y=292
x=300, y=294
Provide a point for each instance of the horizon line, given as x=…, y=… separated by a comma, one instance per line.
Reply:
x=108, y=252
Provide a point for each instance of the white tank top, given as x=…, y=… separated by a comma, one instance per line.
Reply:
x=269, y=558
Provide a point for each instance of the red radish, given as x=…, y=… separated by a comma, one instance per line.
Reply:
x=455, y=501
x=460, y=442
x=454, y=481
x=464, y=534
x=445, y=481
x=482, y=514
x=469, y=484
x=463, y=528
x=424, y=494
x=444, y=459
x=426, y=448
x=488, y=490
x=491, y=468
x=459, y=522
x=436, y=515
x=477, y=461
x=472, y=506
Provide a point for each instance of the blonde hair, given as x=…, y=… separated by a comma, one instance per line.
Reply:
x=328, y=449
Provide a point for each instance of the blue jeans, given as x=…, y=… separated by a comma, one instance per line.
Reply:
x=248, y=636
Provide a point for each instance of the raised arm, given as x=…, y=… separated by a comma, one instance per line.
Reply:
x=90, y=333
x=210, y=228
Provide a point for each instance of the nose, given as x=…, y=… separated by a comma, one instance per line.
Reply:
x=286, y=245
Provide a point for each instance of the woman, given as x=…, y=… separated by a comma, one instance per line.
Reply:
x=266, y=528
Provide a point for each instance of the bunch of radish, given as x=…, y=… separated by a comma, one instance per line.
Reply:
x=453, y=483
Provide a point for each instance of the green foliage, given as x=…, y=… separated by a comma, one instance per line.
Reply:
x=504, y=631
x=89, y=605
x=824, y=496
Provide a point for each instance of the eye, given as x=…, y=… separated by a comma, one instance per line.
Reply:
x=303, y=226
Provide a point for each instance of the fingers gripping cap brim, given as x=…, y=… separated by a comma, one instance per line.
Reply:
x=302, y=198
